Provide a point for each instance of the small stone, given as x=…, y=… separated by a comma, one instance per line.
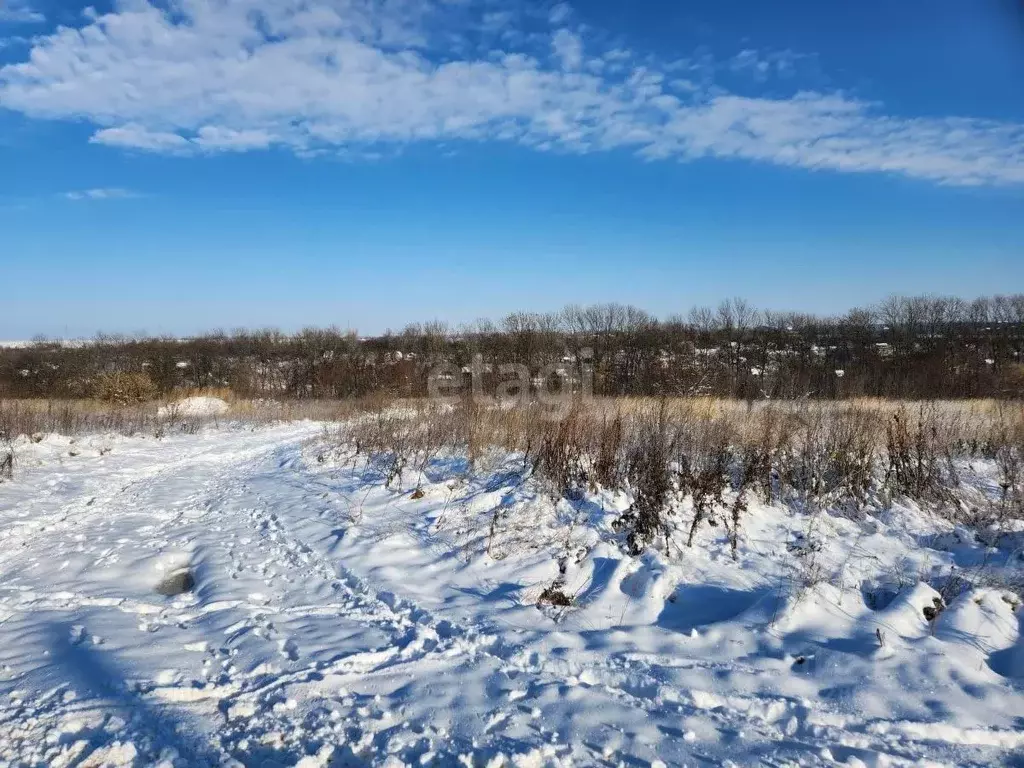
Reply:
x=178, y=583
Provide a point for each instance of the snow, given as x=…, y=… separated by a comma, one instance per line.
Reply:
x=194, y=406
x=25, y=344
x=336, y=622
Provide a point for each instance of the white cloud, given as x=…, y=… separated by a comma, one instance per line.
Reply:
x=216, y=138
x=748, y=59
x=135, y=136
x=16, y=12
x=497, y=21
x=560, y=13
x=764, y=64
x=358, y=77
x=568, y=47
x=819, y=131
x=100, y=193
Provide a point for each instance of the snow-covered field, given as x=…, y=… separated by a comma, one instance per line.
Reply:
x=333, y=621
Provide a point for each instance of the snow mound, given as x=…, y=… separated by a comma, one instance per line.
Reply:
x=195, y=406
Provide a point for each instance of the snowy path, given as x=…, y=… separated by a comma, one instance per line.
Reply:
x=338, y=624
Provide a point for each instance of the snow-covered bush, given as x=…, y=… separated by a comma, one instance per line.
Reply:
x=689, y=461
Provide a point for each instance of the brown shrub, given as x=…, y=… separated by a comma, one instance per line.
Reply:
x=124, y=388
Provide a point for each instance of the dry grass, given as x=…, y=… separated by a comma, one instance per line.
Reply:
x=73, y=417
x=708, y=455
x=969, y=427
x=711, y=457
x=976, y=427
x=78, y=417
x=270, y=411
x=222, y=393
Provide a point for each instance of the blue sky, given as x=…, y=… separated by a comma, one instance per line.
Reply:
x=204, y=164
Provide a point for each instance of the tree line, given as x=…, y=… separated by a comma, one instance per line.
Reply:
x=904, y=347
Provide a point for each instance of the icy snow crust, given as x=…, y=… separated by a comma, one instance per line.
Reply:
x=335, y=622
